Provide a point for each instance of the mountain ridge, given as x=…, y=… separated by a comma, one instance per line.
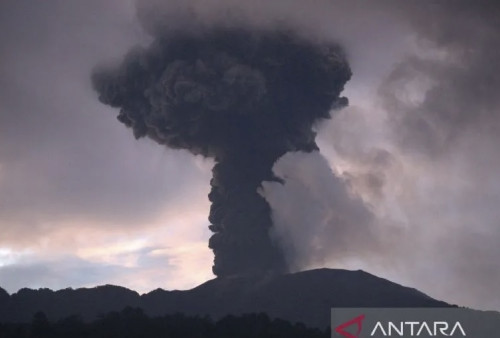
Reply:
x=305, y=296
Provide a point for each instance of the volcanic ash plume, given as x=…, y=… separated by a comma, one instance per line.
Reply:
x=244, y=98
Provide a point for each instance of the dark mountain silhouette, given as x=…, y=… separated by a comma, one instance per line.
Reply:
x=299, y=297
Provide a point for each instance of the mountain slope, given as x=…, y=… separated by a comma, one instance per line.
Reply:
x=304, y=297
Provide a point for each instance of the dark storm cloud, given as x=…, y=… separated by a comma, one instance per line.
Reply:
x=242, y=96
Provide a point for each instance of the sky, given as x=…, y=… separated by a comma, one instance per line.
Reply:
x=405, y=185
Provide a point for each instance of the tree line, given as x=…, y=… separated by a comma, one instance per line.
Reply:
x=133, y=322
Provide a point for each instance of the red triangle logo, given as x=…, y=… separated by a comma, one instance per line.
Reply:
x=355, y=321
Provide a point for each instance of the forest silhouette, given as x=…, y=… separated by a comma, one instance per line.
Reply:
x=133, y=322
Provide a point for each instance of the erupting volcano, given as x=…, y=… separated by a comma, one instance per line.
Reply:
x=242, y=97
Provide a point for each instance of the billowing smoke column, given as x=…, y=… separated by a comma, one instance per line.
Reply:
x=243, y=97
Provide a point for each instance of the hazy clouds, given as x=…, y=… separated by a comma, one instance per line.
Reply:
x=410, y=168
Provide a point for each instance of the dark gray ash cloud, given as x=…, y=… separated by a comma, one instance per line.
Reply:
x=242, y=96
x=420, y=159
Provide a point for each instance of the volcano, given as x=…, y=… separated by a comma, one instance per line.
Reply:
x=305, y=297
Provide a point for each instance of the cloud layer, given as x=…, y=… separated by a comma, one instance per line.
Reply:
x=407, y=188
